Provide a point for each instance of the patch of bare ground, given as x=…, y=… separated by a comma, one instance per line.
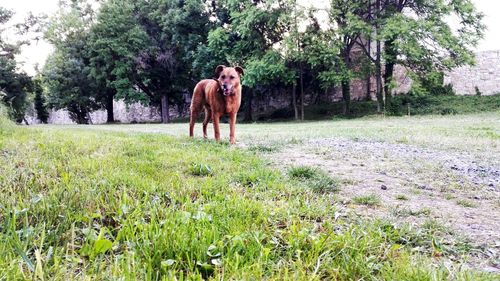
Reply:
x=413, y=184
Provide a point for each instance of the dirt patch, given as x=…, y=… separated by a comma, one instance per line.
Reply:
x=414, y=184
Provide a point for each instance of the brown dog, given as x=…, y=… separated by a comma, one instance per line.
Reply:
x=218, y=96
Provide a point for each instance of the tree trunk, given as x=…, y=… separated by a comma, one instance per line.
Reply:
x=389, y=70
x=109, y=106
x=346, y=83
x=346, y=95
x=378, y=65
x=248, y=109
x=165, y=116
x=89, y=118
x=294, y=101
x=378, y=70
x=369, y=50
x=301, y=94
x=369, y=87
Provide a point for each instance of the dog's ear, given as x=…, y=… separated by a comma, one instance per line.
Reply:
x=218, y=70
x=239, y=70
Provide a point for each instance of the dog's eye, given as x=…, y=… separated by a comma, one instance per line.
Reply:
x=232, y=77
x=223, y=77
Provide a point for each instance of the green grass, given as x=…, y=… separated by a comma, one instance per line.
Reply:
x=89, y=204
x=466, y=203
x=368, y=200
x=303, y=172
x=198, y=169
x=458, y=132
x=407, y=212
x=402, y=197
x=316, y=179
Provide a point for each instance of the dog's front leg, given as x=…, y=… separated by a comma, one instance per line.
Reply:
x=215, y=120
x=232, y=125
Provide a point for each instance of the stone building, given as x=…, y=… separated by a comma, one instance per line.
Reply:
x=483, y=78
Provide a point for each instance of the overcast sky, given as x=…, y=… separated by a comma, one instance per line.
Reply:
x=37, y=52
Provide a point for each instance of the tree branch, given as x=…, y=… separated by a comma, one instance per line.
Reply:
x=145, y=89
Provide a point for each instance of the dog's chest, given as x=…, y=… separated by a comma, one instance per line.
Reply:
x=232, y=104
x=230, y=107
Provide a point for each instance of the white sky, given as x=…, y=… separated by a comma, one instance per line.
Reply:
x=37, y=52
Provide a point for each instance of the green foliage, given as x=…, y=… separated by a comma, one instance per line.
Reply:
x=267, y=70
x=444, y=104
x=244, y=34
x=14, y=88
x=115, y=40
x=66, y=74
x=14, y=84
x=424, y=40
x=40, y=103
x=146, y=49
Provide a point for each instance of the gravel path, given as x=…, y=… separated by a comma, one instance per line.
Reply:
x=414, y=184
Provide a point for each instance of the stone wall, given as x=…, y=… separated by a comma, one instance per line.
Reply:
x=485, y=75
x=134, y=113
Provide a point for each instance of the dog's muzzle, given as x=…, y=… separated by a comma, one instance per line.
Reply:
x=227, y=90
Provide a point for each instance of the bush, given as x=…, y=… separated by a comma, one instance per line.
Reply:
x=399, y=104
x=448, y=111
x=442, y=105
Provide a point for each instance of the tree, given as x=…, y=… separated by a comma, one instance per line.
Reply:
x=346, y=27
x=13, y=83
x=144, y=49
x=115, y=40
x=40, y=101
x=15, y=86
x=175, y=29
x=66, y=77
x=419, y=36
x=67, y=72
x=245, y=34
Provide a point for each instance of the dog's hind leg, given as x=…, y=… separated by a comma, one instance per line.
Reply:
x=208, y=116
x=192, y=121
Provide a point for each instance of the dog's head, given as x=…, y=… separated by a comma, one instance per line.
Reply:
x=229, y=78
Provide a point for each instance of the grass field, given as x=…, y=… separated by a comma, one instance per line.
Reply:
x=143, y=202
